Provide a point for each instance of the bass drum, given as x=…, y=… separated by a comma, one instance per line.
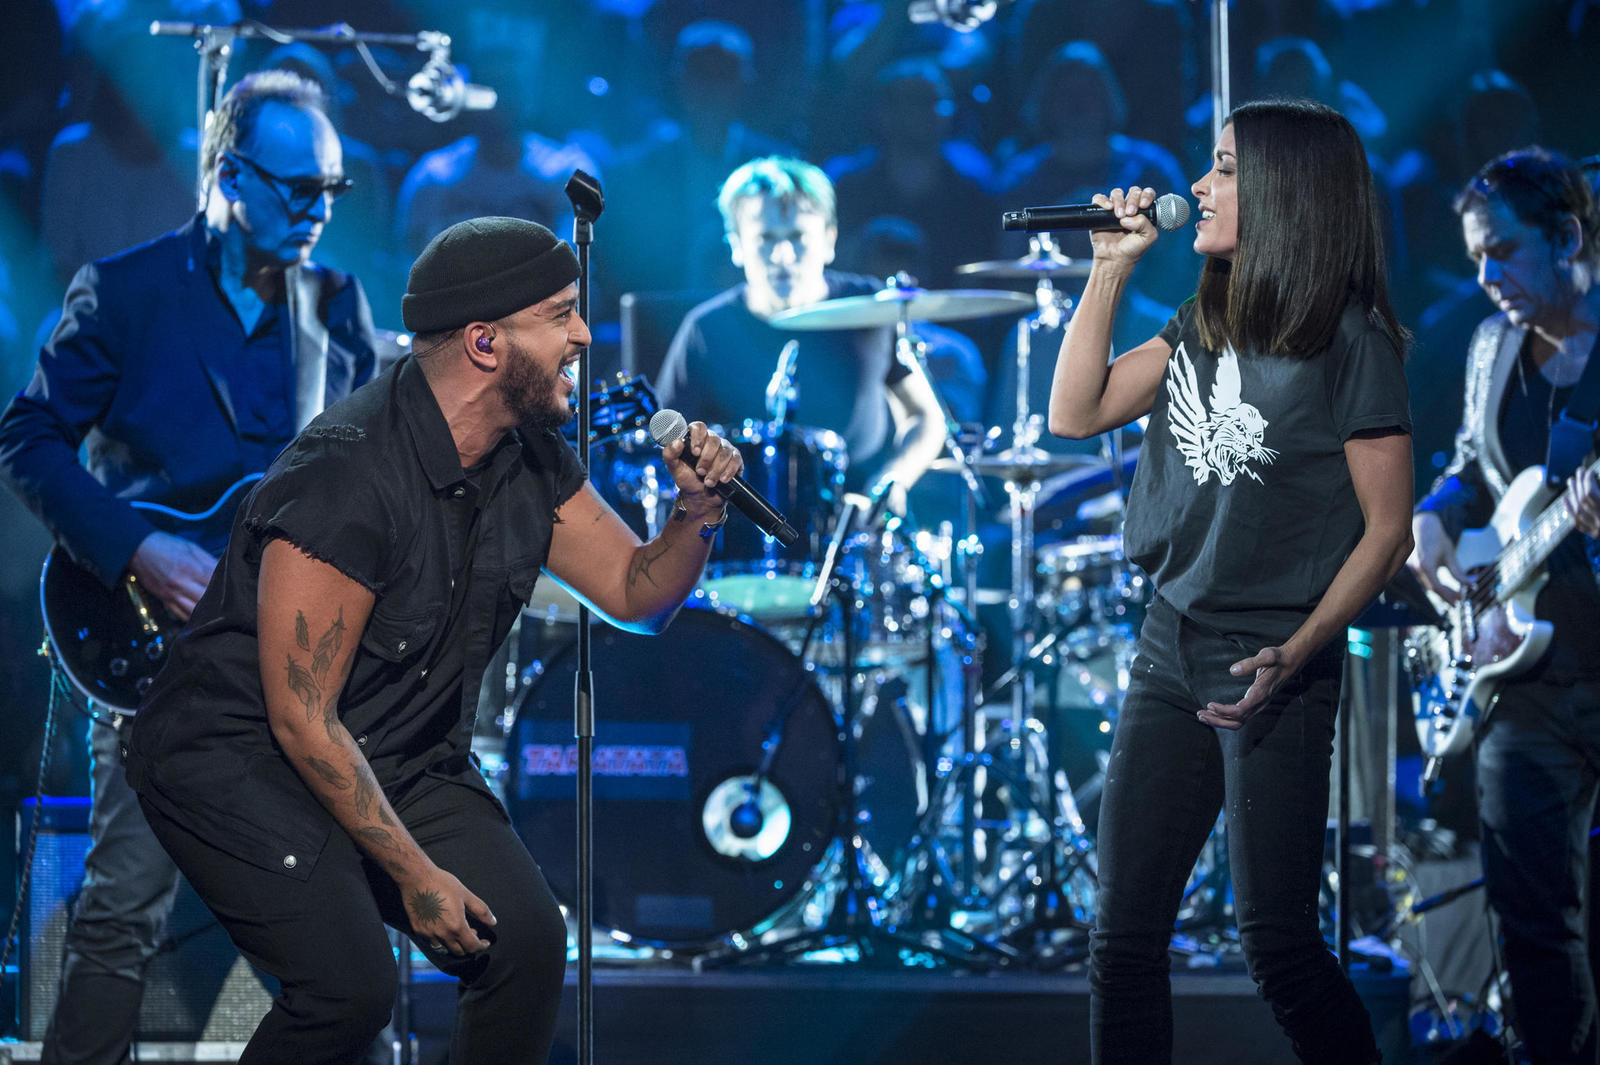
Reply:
x=689, y=846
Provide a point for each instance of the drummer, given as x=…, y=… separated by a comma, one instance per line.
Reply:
x=779, y=218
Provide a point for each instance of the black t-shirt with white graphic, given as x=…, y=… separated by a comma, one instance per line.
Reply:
x=1242, y=509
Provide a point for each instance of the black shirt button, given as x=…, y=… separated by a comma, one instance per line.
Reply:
x=401, y=646
x=289, y=861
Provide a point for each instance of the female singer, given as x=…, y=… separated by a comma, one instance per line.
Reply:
x=1271, y=503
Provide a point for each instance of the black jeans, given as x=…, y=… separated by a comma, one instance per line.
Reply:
x=324, y=938
x=1168, y=777
x=1538, y=760
x=129, y=885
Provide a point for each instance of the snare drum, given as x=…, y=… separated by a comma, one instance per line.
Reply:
x=800, y=471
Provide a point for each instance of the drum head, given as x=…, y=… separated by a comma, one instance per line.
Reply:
x=689, y=846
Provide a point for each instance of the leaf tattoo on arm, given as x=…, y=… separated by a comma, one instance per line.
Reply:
x=366, y=790
x=383, y=848
x=378, y=840
x=304, y=687
x=302, y=632
x=332, y=777
x=328, y=647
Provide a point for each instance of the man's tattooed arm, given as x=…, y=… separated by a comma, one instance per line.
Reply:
x=310, y=617
x=310, y=639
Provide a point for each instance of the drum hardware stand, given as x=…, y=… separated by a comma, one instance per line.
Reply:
x=856, y=915
x=781, y=393
x=944, y=892
x=912, y=351
x=587, y=203
x=948, y=889
x=1058, y=858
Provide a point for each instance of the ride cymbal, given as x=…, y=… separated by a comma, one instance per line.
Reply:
x=891, y=305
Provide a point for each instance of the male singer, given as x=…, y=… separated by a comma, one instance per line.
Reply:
x=304, y=756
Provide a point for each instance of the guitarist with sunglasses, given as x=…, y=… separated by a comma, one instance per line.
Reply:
x=1532, y=228
x=186, y=364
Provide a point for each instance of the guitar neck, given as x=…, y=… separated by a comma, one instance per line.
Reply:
x=1522, y=557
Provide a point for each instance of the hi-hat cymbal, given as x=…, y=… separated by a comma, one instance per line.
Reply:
x=1030, y=267
x=916, y=304
x=1031, y=463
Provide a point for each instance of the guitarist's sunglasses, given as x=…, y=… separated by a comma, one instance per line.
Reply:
x=303, y=192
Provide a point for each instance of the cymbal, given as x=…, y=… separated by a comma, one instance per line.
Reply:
x=1030, y=267
x=917, y=304
x=1013, y=465
x=1025, y=269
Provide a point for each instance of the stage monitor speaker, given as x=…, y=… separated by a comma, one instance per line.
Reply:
x=197, y=988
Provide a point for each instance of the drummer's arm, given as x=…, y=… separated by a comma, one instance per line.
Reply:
x=640, y=586
x=1088, y=396
x=918, y=428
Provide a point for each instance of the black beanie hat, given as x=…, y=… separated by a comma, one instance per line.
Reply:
x=484, y=269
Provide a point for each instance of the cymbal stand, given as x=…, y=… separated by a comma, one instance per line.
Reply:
x=1065, y=852
x=912, y=351
x=857, y=916
x=1051, y=313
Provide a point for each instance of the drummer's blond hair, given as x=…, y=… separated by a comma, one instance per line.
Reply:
x=788, y=180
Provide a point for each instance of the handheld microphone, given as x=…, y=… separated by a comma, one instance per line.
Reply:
x=668, y=426
x=1168, y=212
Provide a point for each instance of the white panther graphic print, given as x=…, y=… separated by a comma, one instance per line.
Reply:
x=1223, y=440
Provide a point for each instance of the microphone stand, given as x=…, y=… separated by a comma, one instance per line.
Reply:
x=215, y=45
x=587, y=203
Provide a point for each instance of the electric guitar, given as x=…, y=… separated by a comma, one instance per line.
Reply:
x=1491, y=633
x=110, y=643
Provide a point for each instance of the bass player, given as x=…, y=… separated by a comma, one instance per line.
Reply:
x=1531, y=227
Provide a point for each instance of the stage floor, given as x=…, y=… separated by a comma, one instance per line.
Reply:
x=850, y=1015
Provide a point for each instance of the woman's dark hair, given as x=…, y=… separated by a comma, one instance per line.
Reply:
x=1542, y=188
x=1310, y=236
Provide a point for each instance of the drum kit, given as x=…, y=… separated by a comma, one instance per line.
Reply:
x=812, y=761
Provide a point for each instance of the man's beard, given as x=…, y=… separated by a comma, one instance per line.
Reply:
x=530, y=393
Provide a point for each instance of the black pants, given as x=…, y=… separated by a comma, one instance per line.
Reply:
x=1538, y=766
x=1168, y=777
x=324, y=938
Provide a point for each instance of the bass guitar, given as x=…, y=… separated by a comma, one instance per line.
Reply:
x=1491, y=633
x=110, y=642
